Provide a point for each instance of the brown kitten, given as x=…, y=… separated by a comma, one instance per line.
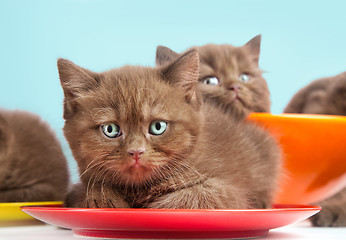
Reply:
x=324, y=96
x=33, y=167
x=229, y=76
x=141, y=138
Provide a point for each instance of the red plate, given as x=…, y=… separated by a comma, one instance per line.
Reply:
x=168, y=223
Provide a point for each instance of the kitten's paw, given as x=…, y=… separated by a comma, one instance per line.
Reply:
x=79, y=197
x=176, y=200
x=210, y=194
x=106, y=203
x=196, y=197
x=105, y=198
x=329, y=217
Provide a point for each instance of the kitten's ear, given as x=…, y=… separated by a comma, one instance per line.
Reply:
x=184, y=73
x=254, y=46
x=165, y=55
x=75, y=81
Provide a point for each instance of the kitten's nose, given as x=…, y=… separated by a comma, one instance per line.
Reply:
x=234, y=87
x=136, y=153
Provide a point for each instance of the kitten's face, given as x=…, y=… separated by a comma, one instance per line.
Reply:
x=132, y=126
x=229, y=76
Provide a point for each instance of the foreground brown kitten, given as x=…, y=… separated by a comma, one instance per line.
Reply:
x=325, y=96
x=229, y=76
x=141, y=138
x=32, y=164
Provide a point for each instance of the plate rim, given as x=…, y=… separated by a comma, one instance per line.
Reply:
x=136, y=229
x=276, y=207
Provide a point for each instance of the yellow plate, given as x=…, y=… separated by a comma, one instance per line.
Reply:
x=12, y=212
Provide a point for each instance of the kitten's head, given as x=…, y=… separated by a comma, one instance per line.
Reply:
x=309, y=99
x=229, y=76
x=322, y=96
x=132, y=125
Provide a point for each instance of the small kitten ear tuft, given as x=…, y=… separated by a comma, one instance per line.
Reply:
x=165, y=55
x=254, y=45
x=184, y=73
x=75, y=82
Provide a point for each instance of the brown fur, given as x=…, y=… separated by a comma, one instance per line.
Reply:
x=33, y=167
x=324, y=96
x=227, y=63
x=204, y=159
x=333, y=213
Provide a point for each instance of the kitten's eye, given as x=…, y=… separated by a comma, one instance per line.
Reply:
x=211, y=81
x=244, y=77
x=157, y=127
x=111, y=130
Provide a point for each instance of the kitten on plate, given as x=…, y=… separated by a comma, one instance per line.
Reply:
x=324, y=96
x=33, y=166
x=229, y=76
x=142, y=138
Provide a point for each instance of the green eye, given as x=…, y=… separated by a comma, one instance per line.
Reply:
x=157, y=127
x=211, y=81
x=244, y=77
x=111, y=130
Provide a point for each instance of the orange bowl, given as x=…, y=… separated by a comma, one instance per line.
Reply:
x=313, y=153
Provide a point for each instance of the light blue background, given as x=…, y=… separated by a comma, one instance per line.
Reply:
x=301, y=41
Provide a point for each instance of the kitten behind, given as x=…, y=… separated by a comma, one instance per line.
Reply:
x=324, y=96
x=142, y=138
x=229, y=76
x=33, y=167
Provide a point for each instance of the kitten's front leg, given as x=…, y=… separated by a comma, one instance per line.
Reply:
x=105, y=197
x=211, y=194
x=333, y=213
x=97, y=197
x=31, y=193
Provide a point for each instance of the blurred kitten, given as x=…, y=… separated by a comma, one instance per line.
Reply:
x=32, y=164
x=142, y=138
x=229, y=76
x=324, y=96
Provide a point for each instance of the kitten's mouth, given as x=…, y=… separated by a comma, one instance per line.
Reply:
x=235, y=99
x=238, y=103
x=137, y=172
x=137, y=167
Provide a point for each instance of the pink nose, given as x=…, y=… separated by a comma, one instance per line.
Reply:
x=136, y=153
x=234, y=87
